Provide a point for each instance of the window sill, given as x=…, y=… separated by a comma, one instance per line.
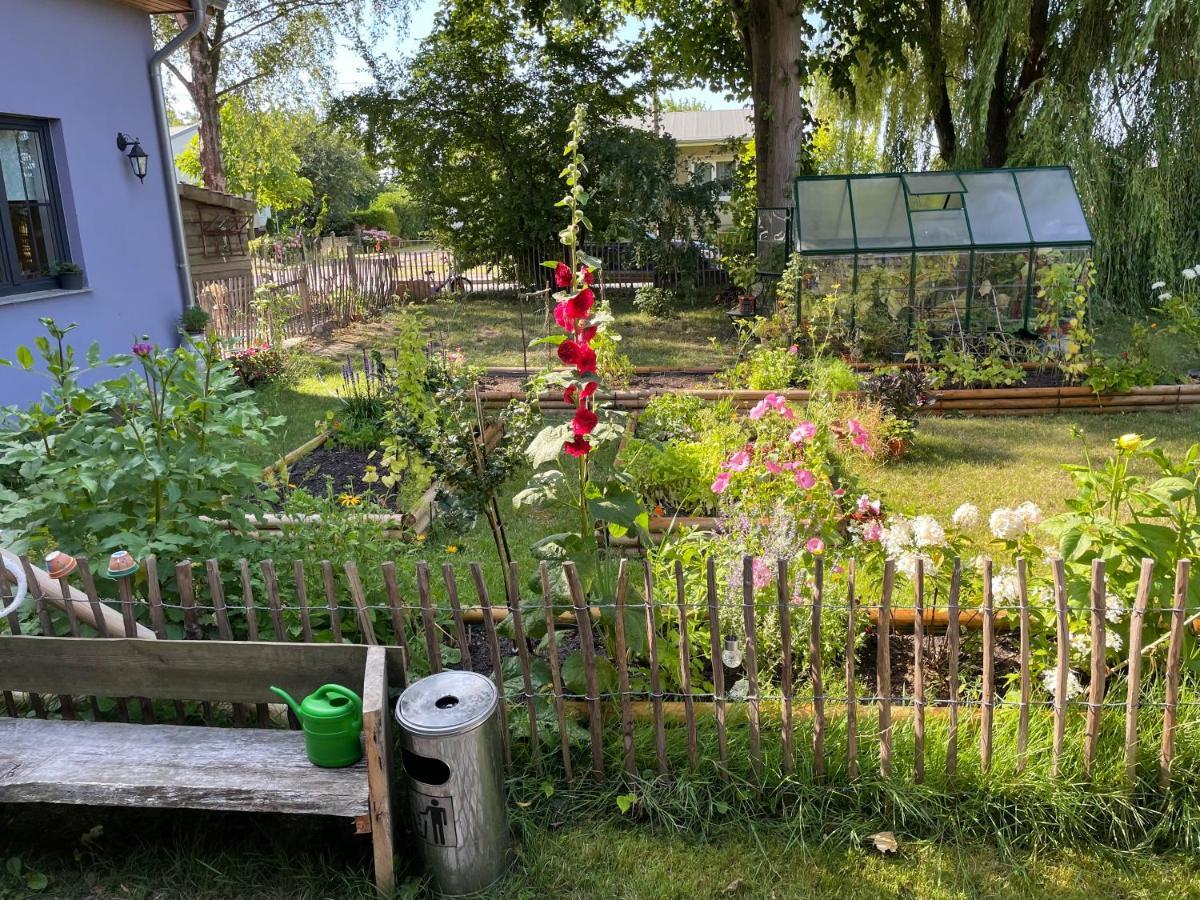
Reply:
x=55, y=294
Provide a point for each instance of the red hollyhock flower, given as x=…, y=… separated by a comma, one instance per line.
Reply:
x=570, y=352
x=562, y=275
x=572, y=392
x=586, y=364
x=578, y=447
x=569, y=394
x=562, y=315
x=587, y=334
x=581, y=304
x=589, y=275
x=584, y=422
x=588, y=390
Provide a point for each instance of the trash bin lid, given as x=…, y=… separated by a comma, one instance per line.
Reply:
x=446, y=703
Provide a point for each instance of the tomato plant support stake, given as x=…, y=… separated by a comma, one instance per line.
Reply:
x=814, y=668
x=988, y=699
x=623, y=668
x=584, y=618
x=460, y=628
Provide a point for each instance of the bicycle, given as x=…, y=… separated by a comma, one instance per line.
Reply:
x=454, y=283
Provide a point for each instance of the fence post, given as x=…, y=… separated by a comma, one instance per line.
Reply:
x=1183, y=570
x=1133, y=694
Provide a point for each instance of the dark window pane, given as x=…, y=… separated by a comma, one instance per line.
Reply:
x=33, y=234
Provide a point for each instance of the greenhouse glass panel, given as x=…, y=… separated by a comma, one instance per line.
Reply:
x=1044, y=262
x=1052, y=205
x=880, y=213
x=940, y=228
x=884, y=279
x=933, y=183
x=995, y=208
x=998, y=301
x=823, y=215
x=940, y=290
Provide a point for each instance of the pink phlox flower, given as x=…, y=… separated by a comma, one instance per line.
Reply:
x=839, y=492
x=739, y=462
x=793, y=350
x=770, y=402
x=868, y=506
x=805, y=479
x=721, y=482
x=762, y=572
x=872, y=530
x=815, y=546
x=773, y=467
x=803, y=432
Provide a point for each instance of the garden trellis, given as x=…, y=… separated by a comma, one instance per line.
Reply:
x=954, y=251
x=764, y=711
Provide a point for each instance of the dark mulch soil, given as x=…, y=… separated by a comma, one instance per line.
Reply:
x=566, y=642
x=345, y=468
x=1006, y=656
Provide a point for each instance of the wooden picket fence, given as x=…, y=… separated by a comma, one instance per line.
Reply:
x=416, y=628
x=332, y=287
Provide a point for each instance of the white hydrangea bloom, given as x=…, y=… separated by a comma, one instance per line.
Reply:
x=966, y=516
x=1074, y=685
x=906, y=565
x=1114, y=608
x=897, y=537
x=1006, y=588
x=1081, y=644
x=1190, y=274
x=1007, y=524
x=1031, y=513
x=927, y=532
x=1157, y=285
x=1113, y=641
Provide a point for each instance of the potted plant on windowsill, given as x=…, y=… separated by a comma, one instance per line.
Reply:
x=69, y=275
x=194, y=320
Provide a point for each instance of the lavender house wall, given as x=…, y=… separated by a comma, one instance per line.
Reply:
x=84, y=64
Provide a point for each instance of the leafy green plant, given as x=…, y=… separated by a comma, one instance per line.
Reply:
x=153, y=461
x=655, y=302
x=194, y=319
x=258, y=364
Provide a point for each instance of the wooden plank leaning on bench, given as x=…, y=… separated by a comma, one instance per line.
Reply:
x=257, y=770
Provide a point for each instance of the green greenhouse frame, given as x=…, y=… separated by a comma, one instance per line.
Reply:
x=934, y=246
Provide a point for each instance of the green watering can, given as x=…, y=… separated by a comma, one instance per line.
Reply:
x=332, y=720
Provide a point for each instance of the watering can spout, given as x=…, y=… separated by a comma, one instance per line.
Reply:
x=287, y=698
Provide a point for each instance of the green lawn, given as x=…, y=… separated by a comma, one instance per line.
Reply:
x=87, y=854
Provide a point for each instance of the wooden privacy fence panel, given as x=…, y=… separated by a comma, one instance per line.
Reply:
x=617, y=681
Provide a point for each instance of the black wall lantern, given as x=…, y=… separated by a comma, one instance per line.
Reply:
x=138, y=158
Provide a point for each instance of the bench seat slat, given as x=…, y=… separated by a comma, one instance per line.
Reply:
x=113, y=764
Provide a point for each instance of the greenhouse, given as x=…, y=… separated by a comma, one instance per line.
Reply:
x=954, y=251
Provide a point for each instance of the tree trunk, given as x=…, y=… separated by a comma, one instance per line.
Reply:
x=995, y=147
x=772, y=34
x=934, y=54
x=203, y=91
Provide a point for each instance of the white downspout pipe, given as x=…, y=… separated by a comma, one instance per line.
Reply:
x=164, y=140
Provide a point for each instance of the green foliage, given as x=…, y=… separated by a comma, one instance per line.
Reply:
x=408, y=219
x=258, y=364
x=259, y=152
x=764, y=368
x=194, y=319
x=655, y=302
x=342, y=178
x=134, y=462
x=382, y=218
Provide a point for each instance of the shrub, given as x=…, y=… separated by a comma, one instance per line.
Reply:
x=257, y=364
x=654, y=301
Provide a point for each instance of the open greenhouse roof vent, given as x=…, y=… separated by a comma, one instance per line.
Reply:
x=965, y=210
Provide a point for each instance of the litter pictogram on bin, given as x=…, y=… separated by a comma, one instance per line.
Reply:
x=433, y=818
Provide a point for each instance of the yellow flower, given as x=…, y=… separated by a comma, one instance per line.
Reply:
x=349, y=500
x=421, y=538
x=453, y=548
x=1129, y=442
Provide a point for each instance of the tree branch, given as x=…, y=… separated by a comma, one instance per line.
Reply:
x=174, y=70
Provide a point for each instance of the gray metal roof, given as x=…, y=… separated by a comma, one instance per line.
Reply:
x=704, y=126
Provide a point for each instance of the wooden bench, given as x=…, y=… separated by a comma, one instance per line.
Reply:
x=252, y=770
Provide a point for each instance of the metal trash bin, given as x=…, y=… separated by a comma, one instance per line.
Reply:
x=453, y=756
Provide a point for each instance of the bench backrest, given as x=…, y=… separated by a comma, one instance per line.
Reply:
x=176, y=670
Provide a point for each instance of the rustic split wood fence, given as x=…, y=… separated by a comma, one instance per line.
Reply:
x=423, y=628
